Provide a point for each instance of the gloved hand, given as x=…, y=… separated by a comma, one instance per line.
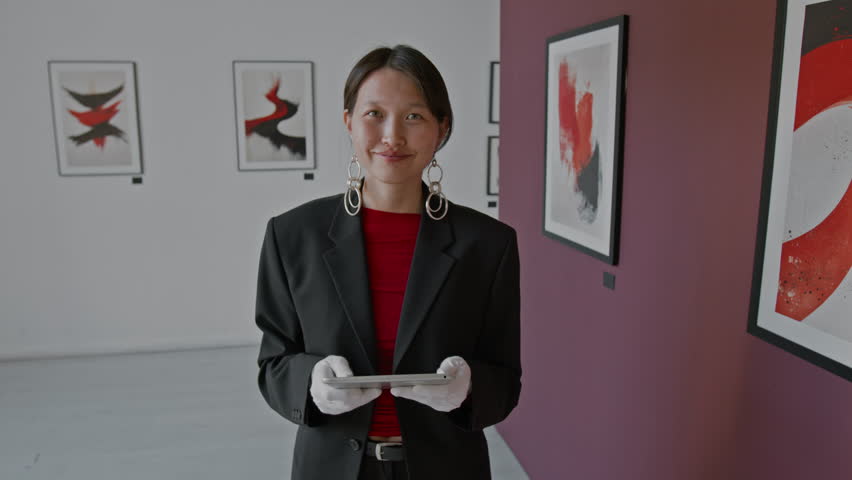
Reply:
x=334, y=401
x=443, y=398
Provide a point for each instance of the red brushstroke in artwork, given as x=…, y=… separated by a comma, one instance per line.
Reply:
x=575, y=121
x=281, y=109
x=99, y=115
x=825, y=80
x=97, y=118
x=814, y=264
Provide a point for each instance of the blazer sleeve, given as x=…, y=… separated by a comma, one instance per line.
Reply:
x=285, y=368
x=496, y=365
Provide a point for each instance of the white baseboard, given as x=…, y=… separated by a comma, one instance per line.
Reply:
x=159, y=347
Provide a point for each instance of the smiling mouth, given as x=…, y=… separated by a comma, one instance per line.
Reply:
x=393, y=156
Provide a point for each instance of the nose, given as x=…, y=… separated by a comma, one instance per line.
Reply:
x=394, y=134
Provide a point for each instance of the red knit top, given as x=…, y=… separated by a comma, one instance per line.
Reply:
x=389, y=239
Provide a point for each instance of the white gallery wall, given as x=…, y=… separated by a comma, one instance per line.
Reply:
x=98, y=264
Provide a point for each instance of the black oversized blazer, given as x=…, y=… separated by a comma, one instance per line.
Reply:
x=462, y=298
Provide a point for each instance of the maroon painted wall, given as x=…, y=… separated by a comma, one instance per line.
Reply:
x=658, y=379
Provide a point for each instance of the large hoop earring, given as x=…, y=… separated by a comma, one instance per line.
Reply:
x=353, y=184
x=435, y=191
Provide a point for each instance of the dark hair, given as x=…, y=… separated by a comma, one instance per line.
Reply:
x=411, y=62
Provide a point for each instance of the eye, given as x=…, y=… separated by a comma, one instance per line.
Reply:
x=373, y=113
x=414, y=116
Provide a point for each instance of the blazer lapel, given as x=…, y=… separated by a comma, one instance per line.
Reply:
x=429, y=268
x=347, y=265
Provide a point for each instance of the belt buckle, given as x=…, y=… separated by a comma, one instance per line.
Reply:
x=381, y=445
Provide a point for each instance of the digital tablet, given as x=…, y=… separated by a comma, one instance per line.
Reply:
x=388, y=381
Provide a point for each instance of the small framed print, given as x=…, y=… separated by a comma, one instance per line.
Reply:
x=801, y=298
x=494, y=94
x=583, y=139
x=95, y=117
x=274, y=103
x=493, y=184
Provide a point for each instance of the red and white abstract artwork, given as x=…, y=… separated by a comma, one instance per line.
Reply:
x=805, y=293
x=584, y=85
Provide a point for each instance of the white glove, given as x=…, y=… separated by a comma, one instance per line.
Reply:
x=334, y=401
x=443, y=398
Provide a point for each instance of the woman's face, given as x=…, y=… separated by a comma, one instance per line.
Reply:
x=393, y=132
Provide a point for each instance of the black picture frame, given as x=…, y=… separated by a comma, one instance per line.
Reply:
x=492, y=179
x=582, y=185
x=494, y=93
x=95, y=117
x=274, y=149
x=795, y=304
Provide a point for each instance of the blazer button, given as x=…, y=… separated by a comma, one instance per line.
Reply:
x=355, y=445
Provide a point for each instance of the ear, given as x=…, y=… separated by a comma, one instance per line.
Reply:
x=443, y=128
x=347, y=120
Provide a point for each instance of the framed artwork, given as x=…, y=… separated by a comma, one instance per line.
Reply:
x=494, y=94
x=801, y=296
x=95, y=117
x=492, y=183
x=274, y=104
x=583, y=137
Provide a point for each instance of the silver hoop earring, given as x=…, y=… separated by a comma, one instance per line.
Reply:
x=435, y=191
x=353, y=184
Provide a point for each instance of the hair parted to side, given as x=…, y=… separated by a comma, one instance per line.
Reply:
x=413, y=63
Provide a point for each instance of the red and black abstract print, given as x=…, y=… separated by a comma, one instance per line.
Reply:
x=815, y=263
x=97, y=117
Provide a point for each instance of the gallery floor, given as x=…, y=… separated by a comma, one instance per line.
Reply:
x=173, y=415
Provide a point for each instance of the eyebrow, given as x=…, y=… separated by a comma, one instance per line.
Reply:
x=410, y=105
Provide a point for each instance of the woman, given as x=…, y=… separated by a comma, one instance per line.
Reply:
x=390, y=277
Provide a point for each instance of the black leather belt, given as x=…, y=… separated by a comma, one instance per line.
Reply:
x=385, y=451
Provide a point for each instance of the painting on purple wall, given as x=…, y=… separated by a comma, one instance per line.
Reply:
x=275, y=115
x=802, y=287
x=583, y=139
x=95, y=117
